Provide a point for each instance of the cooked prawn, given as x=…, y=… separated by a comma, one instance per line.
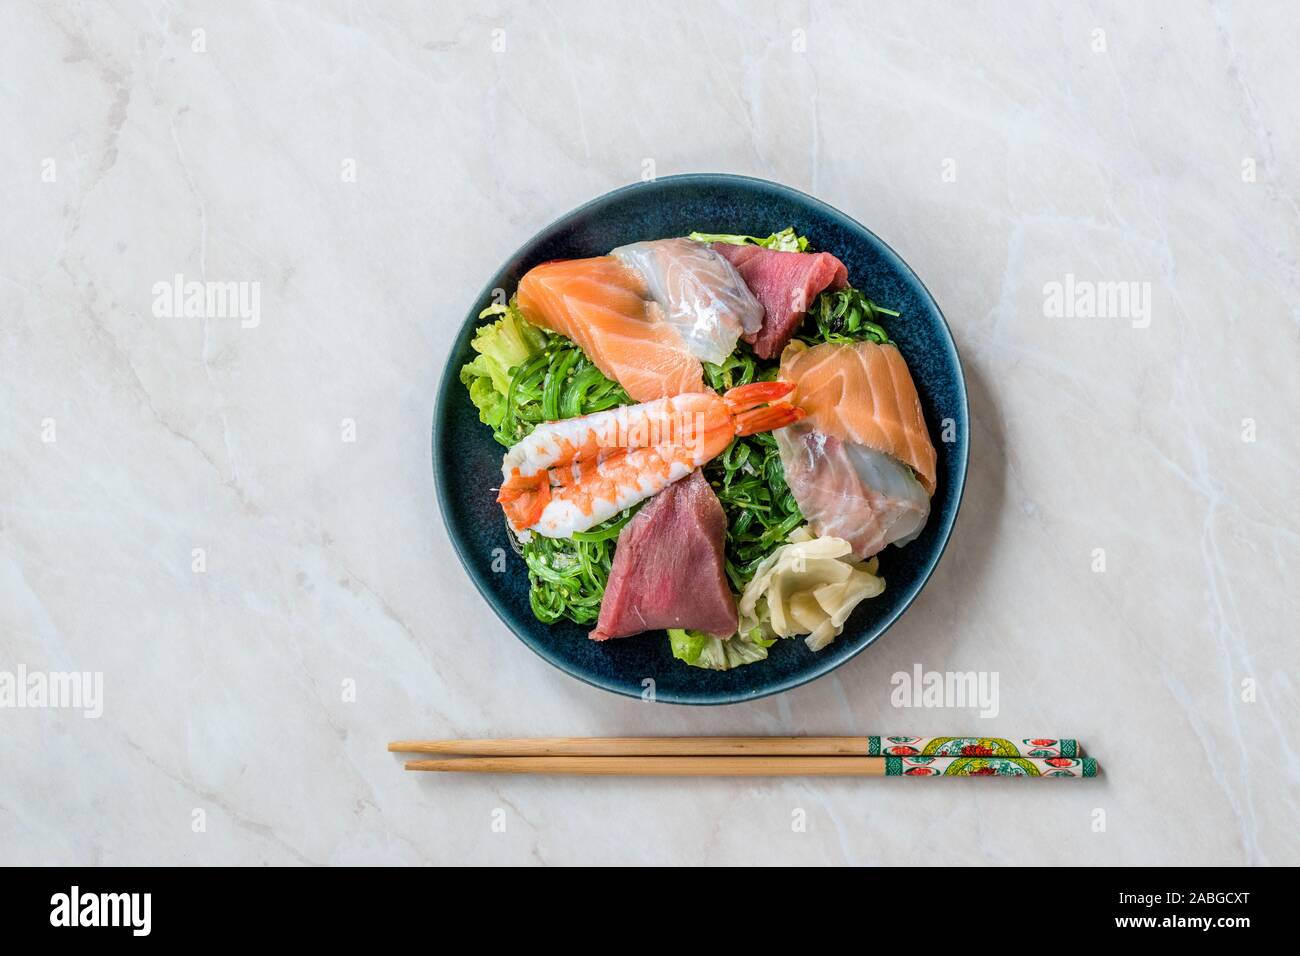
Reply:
x=570, y=475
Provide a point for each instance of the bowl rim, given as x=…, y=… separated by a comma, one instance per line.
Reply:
x=451, y=377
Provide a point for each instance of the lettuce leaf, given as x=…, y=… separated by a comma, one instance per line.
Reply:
x=502, y=346
x=711, y=653
x=784, y=241
x=490, y=403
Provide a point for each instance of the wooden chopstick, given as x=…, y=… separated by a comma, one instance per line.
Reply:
x=641, y=747
x=663, y=766
x=1053, y=767
x=755, y=756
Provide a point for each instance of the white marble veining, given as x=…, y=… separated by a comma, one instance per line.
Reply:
x=998, y=148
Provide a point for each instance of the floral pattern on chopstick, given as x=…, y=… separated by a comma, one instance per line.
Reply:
x=1042, y=747
x=990, y=766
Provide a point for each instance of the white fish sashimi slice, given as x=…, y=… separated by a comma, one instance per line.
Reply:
x=896, y=486
x=850, y=491
x=699, y=292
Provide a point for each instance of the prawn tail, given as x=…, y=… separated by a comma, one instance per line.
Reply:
x=524, y=498
x=753, y=410
x=744, y=397
x=768, y=419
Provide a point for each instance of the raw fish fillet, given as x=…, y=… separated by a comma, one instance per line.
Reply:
x=786, y=283
x=700, y=294
x=862, y=394
x=601, y=305
x=851, y=491
x=668, y=567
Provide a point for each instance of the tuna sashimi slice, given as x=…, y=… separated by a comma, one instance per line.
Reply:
x=601, y=305
x=786, y=284
x=668, y=567
x=863, y=394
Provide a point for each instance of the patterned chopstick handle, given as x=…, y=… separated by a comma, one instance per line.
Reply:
x=990, y=767
x=1044, y=747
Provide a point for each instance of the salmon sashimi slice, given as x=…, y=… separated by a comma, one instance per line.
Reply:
x=602, y=305
x=862, y=393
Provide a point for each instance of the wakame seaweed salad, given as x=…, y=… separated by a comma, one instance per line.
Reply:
x=524, y=375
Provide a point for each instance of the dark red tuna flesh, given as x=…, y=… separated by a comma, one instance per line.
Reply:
x=668, y=567
x=786, y=284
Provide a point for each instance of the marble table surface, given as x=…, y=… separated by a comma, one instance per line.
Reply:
x=230, y=517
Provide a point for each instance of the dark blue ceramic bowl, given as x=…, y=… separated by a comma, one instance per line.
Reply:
x=467, y=462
